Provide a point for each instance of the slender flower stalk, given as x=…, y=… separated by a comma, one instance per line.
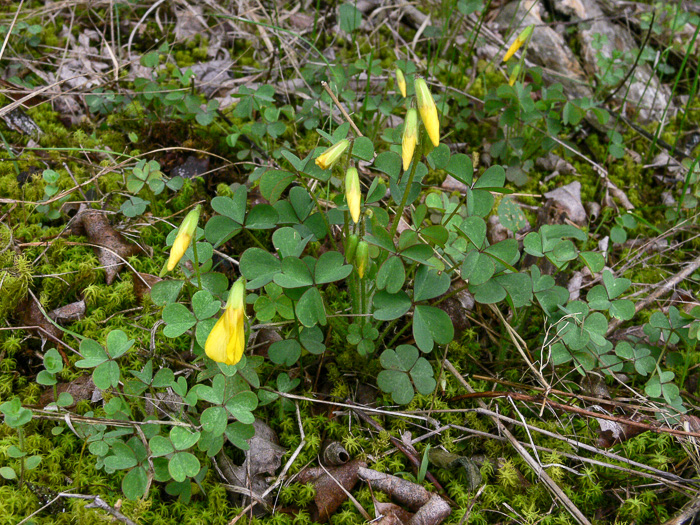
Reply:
x=352, y=193
x=184, y=237
x=428, y=111
x=226, y=341
x=401, y=82
x=410, y=137
x=518, y=43
x=329, y=157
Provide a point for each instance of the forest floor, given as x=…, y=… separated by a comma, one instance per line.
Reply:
x=294, y=263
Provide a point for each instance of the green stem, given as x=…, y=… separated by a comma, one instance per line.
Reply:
x=20, y=435
x=323, y=214
x=417, y=155
x=400, y=333
x=255, y=239
x=389, y=326
x=196, y=264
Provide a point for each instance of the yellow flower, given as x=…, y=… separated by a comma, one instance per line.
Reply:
x=184, y=237
x=352, y=193
x=428, y=111
x=401, y=82
x=329, y=157
x=518, y=42
x=226, y=340
x=410, y=137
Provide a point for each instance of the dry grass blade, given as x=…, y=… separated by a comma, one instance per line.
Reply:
x=536, y=467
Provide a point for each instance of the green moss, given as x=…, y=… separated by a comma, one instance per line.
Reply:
x=15, y=274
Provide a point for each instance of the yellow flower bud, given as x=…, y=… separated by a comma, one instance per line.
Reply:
x=226, y=341
x=352, y=193
x=514, y=74
x=329, y=157
x=401, y=82
x=428, y=111
x=362, y=258
x=518, y=42
x=410, y=137
x=184, y=237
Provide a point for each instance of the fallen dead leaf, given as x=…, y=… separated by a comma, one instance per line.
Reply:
x=112, y=248
x=81, y=388
x=430, y=509
x=329, y=496
x=263, y=457
x=69, y=313
x=567, y=201
x=30, y=314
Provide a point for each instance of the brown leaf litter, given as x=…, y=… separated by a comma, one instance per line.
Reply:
x=111, y=247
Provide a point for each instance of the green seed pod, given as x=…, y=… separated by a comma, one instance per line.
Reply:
x=362, y=258
x=351, y=247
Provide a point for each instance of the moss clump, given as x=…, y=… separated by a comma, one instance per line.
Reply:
x=15, y=275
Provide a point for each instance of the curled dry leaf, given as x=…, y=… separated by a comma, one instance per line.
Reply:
x=392, y=513
x=329, y=496
x=432, y=513
x=407, y=493
x=392, y=519
x=112, y=248
x=452, y=184
x=574, y=286
x=69, y=313
x=430, y=509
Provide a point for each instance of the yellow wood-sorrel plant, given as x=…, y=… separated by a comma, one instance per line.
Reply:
x=354, y=218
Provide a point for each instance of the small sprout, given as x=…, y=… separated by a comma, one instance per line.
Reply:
x=329, y=157
x=428, y=111
x=184, y=237
x=518, y=43
x=401, y=82
x=226, y=340
x=410, y=137
x=352, y=193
